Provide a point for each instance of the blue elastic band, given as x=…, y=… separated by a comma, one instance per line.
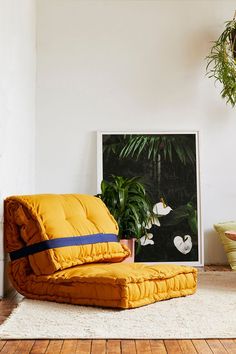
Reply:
x=62, y=242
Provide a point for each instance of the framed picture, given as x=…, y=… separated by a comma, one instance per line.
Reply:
x=168, y=166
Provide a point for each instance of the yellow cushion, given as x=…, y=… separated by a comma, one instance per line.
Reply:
x=229, y=245
x=120, y=285
x=52, y=216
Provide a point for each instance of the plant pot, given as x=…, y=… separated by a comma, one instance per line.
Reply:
x=131, y=245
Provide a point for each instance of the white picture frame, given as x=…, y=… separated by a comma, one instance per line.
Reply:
x=199, y=261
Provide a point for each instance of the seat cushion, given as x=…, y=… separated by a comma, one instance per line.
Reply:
x=60, y=231
x=116, y=285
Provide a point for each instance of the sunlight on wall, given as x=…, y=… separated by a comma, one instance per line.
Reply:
x=17, y=104
x=132, y=65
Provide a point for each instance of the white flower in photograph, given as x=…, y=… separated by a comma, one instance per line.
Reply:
x=161, y=209
x=147, y=239
x=183, y=244
x=152, y=221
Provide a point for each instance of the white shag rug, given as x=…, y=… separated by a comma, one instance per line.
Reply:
x=210, y=313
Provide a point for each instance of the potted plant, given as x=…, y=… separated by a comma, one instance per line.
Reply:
x=222, y=62
x=128, y=202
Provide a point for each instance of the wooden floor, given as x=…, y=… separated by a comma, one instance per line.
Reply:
x=111, y=346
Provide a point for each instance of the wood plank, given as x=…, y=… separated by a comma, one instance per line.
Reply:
x=11, y=300
x=3, y=318
x=5, y=313
x=172, y=346
x=83, y=346
x=69, y=346
x=54, y=346
x=25, y=346
x=98, y=346
x=7, y=305
x=218, y=268
x=201, y=346
x=10, y=346
x=187, y=346
x=143, y=347
x=128, y=346
x=229, y=345
x=216, y=346
x=2, y=343
x=40, y=346
x=158, y=346
x=113, y=346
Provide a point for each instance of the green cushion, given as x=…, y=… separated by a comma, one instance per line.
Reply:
x=229, y=245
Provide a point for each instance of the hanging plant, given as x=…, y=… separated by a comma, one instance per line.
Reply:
x=222, y=62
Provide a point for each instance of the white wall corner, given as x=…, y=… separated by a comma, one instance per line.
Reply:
x=17, y=106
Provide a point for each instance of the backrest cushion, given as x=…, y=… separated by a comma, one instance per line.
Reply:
x=60, y=231
x=229, y=245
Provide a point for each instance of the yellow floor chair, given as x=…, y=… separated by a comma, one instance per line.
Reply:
x=65, y=248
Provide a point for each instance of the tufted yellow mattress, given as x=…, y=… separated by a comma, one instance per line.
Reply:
x=65, y=248
x=119, y=285
x=46, y=219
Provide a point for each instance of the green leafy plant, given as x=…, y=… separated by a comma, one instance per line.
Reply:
x=163, y=145
x=159, y=148
x=221, y=62
x=184, y=212
x=128, y=202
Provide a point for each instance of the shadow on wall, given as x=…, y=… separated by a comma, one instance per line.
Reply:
x=197, y=48
x=211, y=238
x=188, y=69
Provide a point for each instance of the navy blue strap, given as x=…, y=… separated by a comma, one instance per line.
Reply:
x=62, y=242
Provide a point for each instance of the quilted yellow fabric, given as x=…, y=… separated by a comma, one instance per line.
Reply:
x=119, y=285
x=59, y=274
x=53, y=216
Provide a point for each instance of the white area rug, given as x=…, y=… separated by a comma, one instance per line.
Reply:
x=210, y=313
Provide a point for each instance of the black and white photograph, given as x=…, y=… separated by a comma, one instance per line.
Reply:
x=166, y=164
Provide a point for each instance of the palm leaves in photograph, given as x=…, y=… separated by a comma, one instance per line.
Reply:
x=159, y=148
x=184, y=212
x=151, y=146
x=113, y=147
x=128, y=202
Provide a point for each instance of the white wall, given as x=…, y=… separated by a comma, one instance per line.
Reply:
x=17, y=103
x=132, y=65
